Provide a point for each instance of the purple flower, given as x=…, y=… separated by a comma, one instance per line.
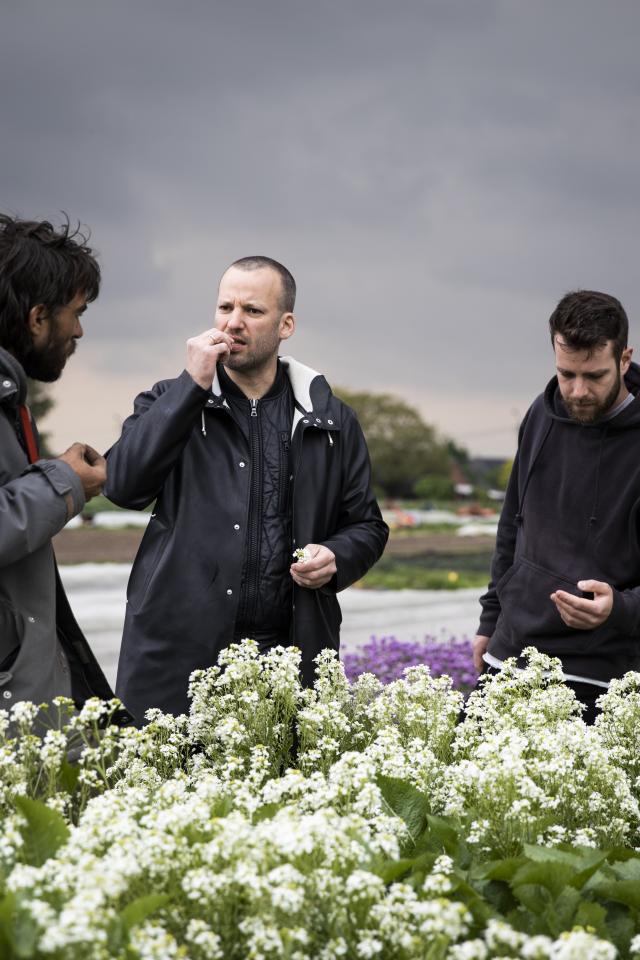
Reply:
x=388, y=658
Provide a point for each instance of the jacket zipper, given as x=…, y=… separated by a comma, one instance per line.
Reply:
x=255, y=518
x=284, y=471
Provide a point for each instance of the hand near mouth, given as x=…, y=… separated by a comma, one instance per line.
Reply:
x=203, y=354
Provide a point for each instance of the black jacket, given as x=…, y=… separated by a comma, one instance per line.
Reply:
x=43, y=653
x=182, y=448
x=571, y=513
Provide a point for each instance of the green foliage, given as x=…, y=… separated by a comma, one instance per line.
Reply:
x=503, y=474
x=43, y=832
x=434, y=488
x=403, y=448
x=40, y=403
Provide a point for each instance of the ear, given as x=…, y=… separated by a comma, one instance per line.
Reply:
x=625, y=359
x=287, y=325
x=38, y=322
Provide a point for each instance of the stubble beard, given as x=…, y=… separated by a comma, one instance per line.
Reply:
x=590, y=414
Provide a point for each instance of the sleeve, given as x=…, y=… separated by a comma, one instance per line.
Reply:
x=361, y=532
x=625, y=613
x=505, y=545
x=35, y=506
x=152, y=441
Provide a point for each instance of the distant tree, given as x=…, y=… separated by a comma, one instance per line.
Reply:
x=460, y=456
x=403, y=448
x=40, y=403
x=504, y=473
x=434, y=488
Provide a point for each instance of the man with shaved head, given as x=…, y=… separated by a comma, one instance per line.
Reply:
x=249, y=458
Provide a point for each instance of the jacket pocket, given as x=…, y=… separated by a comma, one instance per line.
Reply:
x=529, y=615
x=11, y=634
x=147, y=562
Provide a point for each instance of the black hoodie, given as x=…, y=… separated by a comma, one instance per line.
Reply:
x=570, y=513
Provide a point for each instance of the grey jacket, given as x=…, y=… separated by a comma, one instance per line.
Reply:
x=43, y=653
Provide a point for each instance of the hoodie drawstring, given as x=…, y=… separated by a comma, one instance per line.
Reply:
x=204, y=429
x=518, y=516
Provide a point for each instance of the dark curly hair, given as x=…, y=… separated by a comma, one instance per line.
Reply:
x=40, y=264
x=587, y=319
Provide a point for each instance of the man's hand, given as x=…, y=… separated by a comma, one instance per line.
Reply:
x=582, y=614
x=479, y=644
x=204, y=352
x=317, y=570
x=89, y=465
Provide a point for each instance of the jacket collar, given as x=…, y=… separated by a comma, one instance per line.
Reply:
x=13, y=379
x=314, y=401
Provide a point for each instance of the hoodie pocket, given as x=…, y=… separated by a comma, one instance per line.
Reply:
x=528, y=613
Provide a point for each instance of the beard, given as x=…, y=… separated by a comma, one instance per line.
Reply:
x=255, y=357
x=48, y=362
x=589, y=413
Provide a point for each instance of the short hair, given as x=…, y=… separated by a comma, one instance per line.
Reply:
x=288, y=295
x=40, y=264
x=587, y=319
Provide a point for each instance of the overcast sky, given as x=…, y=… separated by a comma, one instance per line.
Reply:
x=435, y=173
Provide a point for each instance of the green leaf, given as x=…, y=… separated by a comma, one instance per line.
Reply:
x=266, y=812
x=582, y=861
x=500, y=869
x=44, y=833
x=392, y=870
x=448, y=832
x=594, y=915
x=69, y=775
x=140, y=909
x=406, y=802
x=553, y=876
x=621, y=891
x=7, y=911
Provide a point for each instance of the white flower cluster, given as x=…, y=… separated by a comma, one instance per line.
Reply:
x=278, y=822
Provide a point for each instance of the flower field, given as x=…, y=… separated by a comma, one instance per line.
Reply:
x=355, y=820
x=387, y=658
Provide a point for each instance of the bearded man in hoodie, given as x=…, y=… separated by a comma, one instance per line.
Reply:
x=565, y=575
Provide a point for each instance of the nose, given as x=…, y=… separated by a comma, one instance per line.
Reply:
x=78, y=332
x=579, y=389
x=235, y=319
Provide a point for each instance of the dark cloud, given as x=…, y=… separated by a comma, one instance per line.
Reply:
x=436, y=174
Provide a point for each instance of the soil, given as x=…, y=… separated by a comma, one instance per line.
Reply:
x=91, y=545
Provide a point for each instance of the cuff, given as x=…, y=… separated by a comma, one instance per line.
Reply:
x=625, y=613
x=65, y=481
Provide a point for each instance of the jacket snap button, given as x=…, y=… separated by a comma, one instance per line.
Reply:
x=209, y=401
x=236, y=526
x=318, y=420
x=305, y=421
x=7, y=694
x=7, y=383
x=31, y=619
x=229, y=592
x=330, y=422
x=241, y=464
